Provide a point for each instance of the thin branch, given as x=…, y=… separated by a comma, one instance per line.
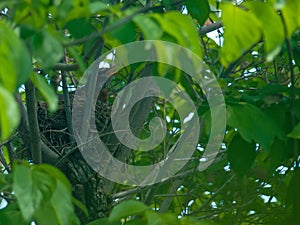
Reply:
x=139, y=189
x=109, y=28
x=8, y=140
x=11, y=152
x=233, y=65
x=3, y=161
x=66, y=67
x=67, y=105
x=215, y=194
x=292, y=78
x=164, y=206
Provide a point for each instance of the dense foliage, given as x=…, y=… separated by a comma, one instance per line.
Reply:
x=253, y=51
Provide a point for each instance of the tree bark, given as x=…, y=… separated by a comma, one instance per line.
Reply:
x=35, y=137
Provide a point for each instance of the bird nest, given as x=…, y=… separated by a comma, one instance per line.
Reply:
x=87, y=184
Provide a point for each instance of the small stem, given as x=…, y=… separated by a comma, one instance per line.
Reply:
x=3, y=161
x=67, y=107
x=11, y=153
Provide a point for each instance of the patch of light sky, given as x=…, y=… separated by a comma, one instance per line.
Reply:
x=109, y=57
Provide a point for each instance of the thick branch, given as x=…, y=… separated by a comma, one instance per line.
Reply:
x=48, y=155
x=35, y=137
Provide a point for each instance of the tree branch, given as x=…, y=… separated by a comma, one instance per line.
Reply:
x=66, y=67
x=214, y=195
x=292, y=80
x=72, y=67
x=67, y=107
x=48, y=155
x=35, y=137
x=210, y=28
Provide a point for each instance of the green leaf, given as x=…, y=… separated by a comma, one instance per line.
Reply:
x=157, y=219
x=31, y=189
x=135, y=221
x=184, y=32
x=278, y=112
x=123, y=34
x=61, y=10
x=79, y=27
x=188, y=220
x=272, y=27
x=11, y=217
x=103, y=221
x=293, y=195
x=182, y=28
x=15, y=60
x=295, y=132
x=9, y=114
x=97, y=7
x=242, y=30
x=153, y=218
x=253, y=124
x=41, y=190
x=149, y=27
x=241, y=155
x=277, y=154
x=46, y=49
x=125, y=209
x=31, y=15
x=55, y=173
x=198, y=9
x=61, y=202
x=80, y=9
x=45, y=215
x=81, y=206
x=7, y=3
x=3, y=182
x=168, y=4
x=290, y=13
x=46, y=91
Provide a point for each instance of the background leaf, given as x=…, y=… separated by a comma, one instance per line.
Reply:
x=272, y=27
x=295, y=133
x=45, y=90
x=253, y=124
x=198, y=9
x=241, y=155
x=9, y=114
x=242, y=30
x=125, y=209
x=46, y=48
x=14, y=55
x=31, y=189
